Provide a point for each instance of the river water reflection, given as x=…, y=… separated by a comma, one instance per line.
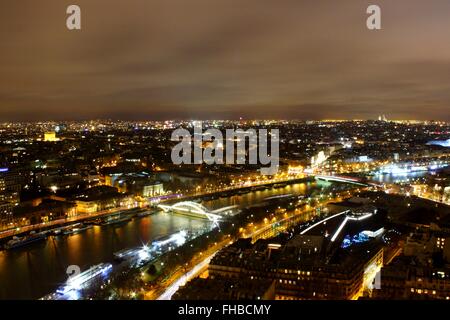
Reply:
x=34, y=271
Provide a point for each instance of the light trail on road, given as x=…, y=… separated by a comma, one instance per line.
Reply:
x=169, y=292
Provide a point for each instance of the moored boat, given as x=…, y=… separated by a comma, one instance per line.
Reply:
x=18, y=242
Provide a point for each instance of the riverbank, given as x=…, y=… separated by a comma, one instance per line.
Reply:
x=21, y=231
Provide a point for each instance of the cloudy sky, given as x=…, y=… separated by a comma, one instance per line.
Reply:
x=206, y=59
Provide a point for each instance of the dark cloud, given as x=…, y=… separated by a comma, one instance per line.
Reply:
x=159, y=59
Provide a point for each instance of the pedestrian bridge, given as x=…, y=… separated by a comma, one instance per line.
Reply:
x=198, y=210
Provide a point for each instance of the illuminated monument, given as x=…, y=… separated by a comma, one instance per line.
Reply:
x=50, y=136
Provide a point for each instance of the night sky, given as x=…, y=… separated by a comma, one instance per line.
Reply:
x=224, y=59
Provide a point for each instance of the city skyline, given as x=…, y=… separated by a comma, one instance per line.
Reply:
x=235, y=120
x=106, y=200
x=224, y=60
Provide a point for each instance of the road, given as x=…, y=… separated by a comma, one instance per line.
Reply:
x=59, y=222
x=181, y=281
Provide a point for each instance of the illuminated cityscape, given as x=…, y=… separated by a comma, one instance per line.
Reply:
x=353, y=202
x=224, y=156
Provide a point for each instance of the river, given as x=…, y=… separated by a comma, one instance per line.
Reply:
x=38, y=269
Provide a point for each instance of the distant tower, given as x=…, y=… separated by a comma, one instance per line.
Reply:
x=396, y=157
